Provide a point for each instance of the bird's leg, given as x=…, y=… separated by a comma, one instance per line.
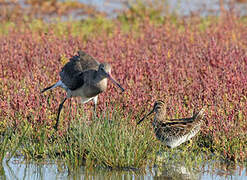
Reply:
x=70, y=112
x=59, y=111
x=190, y=144
x=95, y=100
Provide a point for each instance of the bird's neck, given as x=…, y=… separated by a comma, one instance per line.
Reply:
x=159, y=119
x=100, y=81
x=160, y=115
x=98, y=76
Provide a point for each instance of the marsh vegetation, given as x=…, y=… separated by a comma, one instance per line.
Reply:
x=188, y=62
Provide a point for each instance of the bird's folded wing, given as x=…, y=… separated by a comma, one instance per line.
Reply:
x=180, y=127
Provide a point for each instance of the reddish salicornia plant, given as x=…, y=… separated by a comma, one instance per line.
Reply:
x=188, y=63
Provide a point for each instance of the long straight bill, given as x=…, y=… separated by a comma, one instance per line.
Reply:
x=145, y=117
x=115, y=82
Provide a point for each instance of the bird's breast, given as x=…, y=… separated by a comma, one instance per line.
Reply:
x=102, y=85
x=89, y=90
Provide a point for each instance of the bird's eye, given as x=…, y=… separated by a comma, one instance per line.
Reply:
x=102, y=67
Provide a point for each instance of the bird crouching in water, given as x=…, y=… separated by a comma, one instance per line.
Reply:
x=174, y=132
x=85, y=77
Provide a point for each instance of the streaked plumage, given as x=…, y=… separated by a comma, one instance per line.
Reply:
x=85, y=77
x=174, y=132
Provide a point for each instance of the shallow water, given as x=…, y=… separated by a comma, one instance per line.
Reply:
x=14, y=169
x=181, y=7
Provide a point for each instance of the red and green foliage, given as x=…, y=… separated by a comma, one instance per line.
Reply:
x=188, y=62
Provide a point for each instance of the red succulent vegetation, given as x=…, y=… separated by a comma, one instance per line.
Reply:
x=183, y=63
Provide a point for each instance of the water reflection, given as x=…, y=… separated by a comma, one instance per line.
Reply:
x=177, y=171
x=107, y=174
x=15, y=169
x=219, y=170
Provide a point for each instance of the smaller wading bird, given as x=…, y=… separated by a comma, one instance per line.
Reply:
x=85, y=77
x=175, y=131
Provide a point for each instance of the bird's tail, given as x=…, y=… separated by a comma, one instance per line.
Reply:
x=199, y=115
x=52, y=86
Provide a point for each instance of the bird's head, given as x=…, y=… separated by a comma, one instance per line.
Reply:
x=105, y=71
x=158, y=107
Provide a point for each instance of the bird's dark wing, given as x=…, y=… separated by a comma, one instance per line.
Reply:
x=72, y=73
x=85, y=62
x=184, y=125
x=72, y=81
x=179, y=127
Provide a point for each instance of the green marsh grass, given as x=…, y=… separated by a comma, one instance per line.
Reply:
x=5, y=140
x=11, y=143
x=109, y=140
x=117, y=143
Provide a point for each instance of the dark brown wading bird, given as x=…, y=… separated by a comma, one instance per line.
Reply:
x=175, y=131
x=85, y=77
